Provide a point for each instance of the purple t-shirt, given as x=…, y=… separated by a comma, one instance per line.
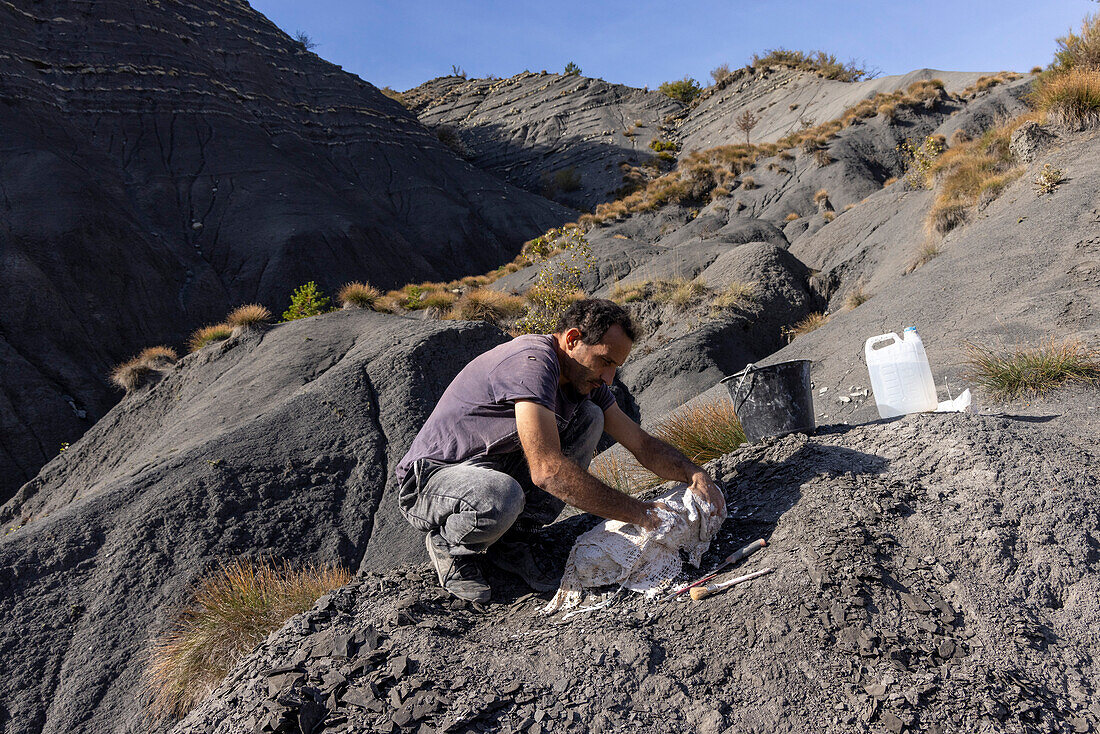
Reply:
x=477, y=414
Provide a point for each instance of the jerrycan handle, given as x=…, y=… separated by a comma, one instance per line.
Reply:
x=878, y=342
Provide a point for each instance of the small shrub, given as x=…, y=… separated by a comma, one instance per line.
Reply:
x=811, y=323
x=207, y=334
x=487, y=305
x=458, y=71
x=1012, y=374
x=565, y=180
x=792, y=216
x=919, y=159
x=307, y=300
x=557, y=281
x=683, y=90
x=233, y=609
x=822, y=157
x=661, y=146
x=1070, y=99
x=748, y=182
x=249, y=316
x=572, y=69
x=1079, y=51
x=132, y=374
x=1047, y=180
x=735, y=295
x=969, y=175
x=958, y=137
x=1036, y=70
x=358, y=295
x=828, y=216
x=887, y=110
x=819, y=62
x=720, y=73
x=822, y=195
x=448, y=135
x=679, y=292
x=745, y=122
x=304, y=38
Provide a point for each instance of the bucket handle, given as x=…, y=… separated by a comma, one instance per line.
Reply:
x=750, y=369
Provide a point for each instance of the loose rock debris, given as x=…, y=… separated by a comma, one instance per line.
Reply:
x=933, y=574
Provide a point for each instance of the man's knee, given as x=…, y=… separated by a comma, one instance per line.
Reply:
x=499, y=498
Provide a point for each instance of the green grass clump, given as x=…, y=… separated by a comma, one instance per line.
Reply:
x=233, y=609
x=1019, y=372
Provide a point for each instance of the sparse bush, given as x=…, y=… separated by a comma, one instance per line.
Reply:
x=680, y=292
x=572, y=69
x=557, y=282
x=720, y=73
x=249, y=316
x=207, y=334
x=233, y=609
x=1079, y=51
x=828, y=216
x=959, y=136
x=683, y=90
x=792, y=216
x=306, y=40
x=358, y=295
x=819, y=62
x=1012, y=374
x=748, y=182
x=811, y=323
x=448, y=135
x=821, y=196
x=1047, y=180
x=1036, y=70
x=307, y=300
x=565, y=180
x=458, y=71
x=735, y=295
x=660, y=146
x=888, y=110
x=623, y=293
x=919, y=159
x=822, y=157
x=1070, y=99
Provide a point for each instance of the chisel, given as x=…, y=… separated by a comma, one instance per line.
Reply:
x=733, y=558
x=702, y=592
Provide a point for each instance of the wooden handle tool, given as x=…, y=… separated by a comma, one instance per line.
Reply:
x=733, y=558
x=702, y=592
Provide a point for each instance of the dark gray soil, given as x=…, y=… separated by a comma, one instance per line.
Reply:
x=935, y=573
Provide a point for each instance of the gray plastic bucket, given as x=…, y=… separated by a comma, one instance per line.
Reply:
x=774, y=400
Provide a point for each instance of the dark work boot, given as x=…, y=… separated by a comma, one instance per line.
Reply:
x=459, y=575
x=515, y=554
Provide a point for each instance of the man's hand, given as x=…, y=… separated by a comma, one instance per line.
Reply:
x=704, y=487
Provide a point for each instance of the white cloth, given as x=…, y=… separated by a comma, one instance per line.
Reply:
x=615, y=552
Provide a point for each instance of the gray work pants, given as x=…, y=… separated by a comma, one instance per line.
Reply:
x=471, y=504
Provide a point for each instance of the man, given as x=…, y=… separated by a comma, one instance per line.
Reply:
x=511, y=439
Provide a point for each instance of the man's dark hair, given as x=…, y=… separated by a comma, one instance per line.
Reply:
x=593, y=317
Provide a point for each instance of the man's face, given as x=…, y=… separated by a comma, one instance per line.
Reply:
x=585, y=366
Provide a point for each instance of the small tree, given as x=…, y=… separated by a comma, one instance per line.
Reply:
x=572, y=69
x=684, y=90
x=306, y=40
x=720, y=73
x=745, y=122
x=308, y=300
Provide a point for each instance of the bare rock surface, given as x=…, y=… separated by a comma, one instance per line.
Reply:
x=934, y=574
x=277, y=443
x=164, y=163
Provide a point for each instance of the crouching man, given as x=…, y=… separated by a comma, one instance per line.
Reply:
x=511, y=440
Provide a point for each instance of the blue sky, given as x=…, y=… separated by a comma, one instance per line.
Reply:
x=643, y=42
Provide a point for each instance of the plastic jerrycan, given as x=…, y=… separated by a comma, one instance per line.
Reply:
x=900, y=375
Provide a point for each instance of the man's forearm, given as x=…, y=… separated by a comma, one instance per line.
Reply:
x=665, y=461
x=573, y=485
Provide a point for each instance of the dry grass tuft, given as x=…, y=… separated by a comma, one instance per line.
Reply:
x=971, y=174
x=622, y=472
x=358, y=295
x=623, y=293
x=735, y=295
x=484, y=304
x=811, y=323
x=1079, y=51
x=748, y=182
x=680, y=292
x=248, y=316
x=792, y=216
x=1070, y=99
x=234, y=608
x=927, y=251
x=822, y=195
x=207, y=334
x=856, y=297
x=131, y=375
x=159, y=356
x=1012, y=374
x=828, y=216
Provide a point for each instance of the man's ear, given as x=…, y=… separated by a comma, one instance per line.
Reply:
x=572, y=337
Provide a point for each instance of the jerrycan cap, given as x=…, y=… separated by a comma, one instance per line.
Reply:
x=910, y=328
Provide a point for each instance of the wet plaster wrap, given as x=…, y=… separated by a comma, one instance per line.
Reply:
x=620, y=553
